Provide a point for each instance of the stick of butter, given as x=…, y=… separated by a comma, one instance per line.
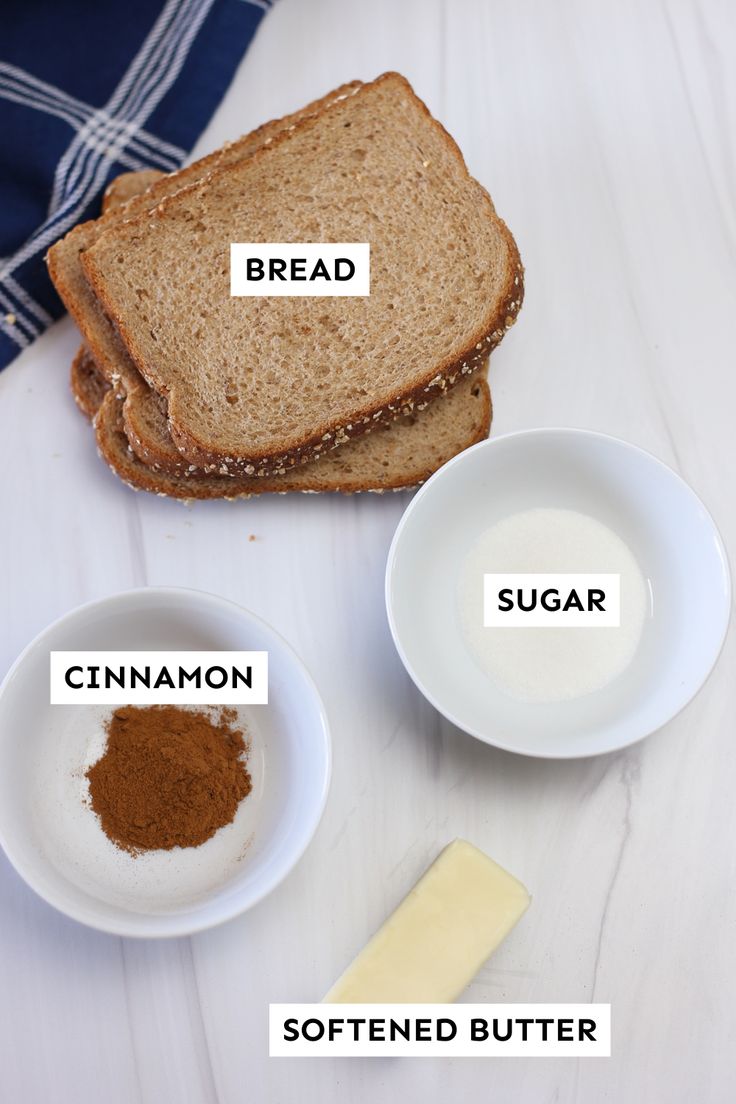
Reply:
x=435, y=942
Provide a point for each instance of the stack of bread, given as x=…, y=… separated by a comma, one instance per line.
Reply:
x=195, y=393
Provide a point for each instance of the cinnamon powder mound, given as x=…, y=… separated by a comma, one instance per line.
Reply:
x=169, y=777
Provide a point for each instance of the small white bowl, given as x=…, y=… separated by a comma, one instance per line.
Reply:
x=54, y=840
x=666, y=526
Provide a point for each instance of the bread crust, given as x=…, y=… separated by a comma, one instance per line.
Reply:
x=114, y=447
x=323, y=437
x=127, y=185
x=149, y=448
x=88, y=386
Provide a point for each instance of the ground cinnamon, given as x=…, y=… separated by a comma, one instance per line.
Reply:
x=168, y=777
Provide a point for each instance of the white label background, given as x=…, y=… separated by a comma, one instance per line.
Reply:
x=539, y=618
x=357, y=252
x=256, y=694
x=460, y=1047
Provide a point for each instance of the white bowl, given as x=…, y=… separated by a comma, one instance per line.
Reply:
x=670, y=532
x=54, y=840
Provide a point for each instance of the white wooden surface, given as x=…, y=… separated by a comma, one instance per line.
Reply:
x=605, y=134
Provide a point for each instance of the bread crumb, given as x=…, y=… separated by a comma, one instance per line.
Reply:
x=252, y=537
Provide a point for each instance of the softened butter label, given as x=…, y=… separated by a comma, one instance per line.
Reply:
x=440, y=1030
x=300, y=268
x=515, y=600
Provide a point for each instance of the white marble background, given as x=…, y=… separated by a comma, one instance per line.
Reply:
x=605, y=133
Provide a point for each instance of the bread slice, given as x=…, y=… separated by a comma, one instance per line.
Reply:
x=399, y=455
x=453, y=430
x=378, y=462
x=255, y=385
x=63, y=258
x=88, y=385
x=144, y=413
x=374, y=462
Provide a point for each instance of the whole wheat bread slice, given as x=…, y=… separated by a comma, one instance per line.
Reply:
x=142, y=191
x=143, y=408
x=255, y=385
x=144, y=412
x=399, y=455
x=87, y=383
x=63, y=258
x=446, y=431
x=89, y=386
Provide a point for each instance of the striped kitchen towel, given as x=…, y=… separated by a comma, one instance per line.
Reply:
x=90, y=89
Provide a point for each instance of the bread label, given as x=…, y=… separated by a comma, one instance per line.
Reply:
x=159, y=678
x=551, y=600
x=300, y=268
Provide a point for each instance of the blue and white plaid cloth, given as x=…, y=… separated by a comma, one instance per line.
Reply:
x=90, y=89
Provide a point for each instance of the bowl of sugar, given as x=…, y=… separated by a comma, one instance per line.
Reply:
x=557, y=592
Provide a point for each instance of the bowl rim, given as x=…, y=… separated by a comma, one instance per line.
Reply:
x=176, y=924
x=549, y=431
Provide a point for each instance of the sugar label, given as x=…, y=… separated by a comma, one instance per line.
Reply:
x=516, y=600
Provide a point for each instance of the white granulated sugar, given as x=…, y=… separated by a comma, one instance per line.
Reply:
x=71, y=835
x=551, y=664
